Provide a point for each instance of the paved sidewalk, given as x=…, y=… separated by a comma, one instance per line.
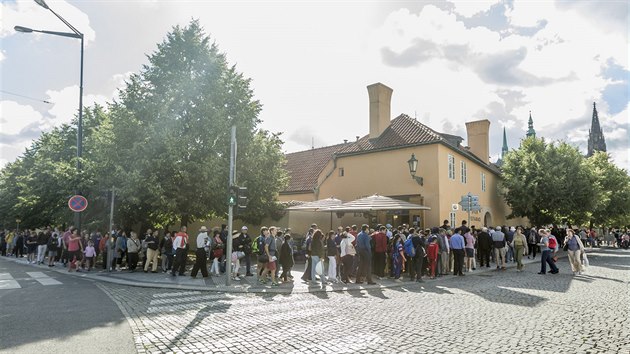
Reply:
x=248, y=284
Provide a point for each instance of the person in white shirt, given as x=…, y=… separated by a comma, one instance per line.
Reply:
x=347, y=255
x=180, y=246
x=203, y=241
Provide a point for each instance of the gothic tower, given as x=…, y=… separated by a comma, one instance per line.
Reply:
x=504, y=149
x=530, y=126
x=596, y=140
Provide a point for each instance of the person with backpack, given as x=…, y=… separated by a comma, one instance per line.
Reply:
x=398, y=257
x=258, y=249
x=410, y=253
x=416, y=254
x=546, y=254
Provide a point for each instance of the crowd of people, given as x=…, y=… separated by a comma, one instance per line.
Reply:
x=348, y=254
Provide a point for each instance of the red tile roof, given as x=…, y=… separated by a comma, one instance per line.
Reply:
x=304, y=167
x=402, y=131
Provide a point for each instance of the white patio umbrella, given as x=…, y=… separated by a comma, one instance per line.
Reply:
x=318, y=205
x=374, y=203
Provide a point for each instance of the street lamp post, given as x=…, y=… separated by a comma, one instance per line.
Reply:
x=413, y=168
x=75, y=34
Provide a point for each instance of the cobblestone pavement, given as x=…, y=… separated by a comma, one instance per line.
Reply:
x=506, y=312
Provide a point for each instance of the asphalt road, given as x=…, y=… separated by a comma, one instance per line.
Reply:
x=48, y=312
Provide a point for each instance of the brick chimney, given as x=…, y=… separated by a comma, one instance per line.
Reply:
x=380, y=108
x=479, y=139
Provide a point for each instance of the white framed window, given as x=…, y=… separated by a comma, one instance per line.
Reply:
x=451, y=167
x=462, y=165
x=483, y=182
x=452, y=219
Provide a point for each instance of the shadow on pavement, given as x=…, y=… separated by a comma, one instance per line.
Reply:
x=37, y=313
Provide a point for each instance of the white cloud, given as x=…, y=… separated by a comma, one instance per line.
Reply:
x=15, y=117
x=66, y=103
x=2, y=55
x=17, y=124
x=29, y=14
x=468, y=8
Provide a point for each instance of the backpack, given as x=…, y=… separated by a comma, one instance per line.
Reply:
x=553, y=244
x=258, y=246
x=409, y=249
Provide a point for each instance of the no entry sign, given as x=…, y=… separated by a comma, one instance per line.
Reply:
x=77, y=203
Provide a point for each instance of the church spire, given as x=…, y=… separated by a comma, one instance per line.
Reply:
x=596, y=140
x=505, y=148
x=530, y=126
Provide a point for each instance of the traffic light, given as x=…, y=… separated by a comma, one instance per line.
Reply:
x=238, y=198
x=241, y=200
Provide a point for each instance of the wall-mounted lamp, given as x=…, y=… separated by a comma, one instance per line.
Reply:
x=413, y=168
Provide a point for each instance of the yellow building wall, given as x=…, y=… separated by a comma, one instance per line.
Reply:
x=387, y=173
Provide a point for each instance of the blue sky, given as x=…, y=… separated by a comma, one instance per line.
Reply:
x=448, y=62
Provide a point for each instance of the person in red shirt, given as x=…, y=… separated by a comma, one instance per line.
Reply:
x=432, y=254
x=380, y=251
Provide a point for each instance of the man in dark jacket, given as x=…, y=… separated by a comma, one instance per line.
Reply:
x=484, y=246
x=244, y=243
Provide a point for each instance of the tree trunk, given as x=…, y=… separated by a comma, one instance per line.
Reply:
x=184, y=220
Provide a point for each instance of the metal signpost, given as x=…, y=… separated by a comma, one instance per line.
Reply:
x=111, y=211
x=470, y=203
x=231, y=203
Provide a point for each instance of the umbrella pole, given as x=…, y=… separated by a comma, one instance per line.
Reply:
x=331, y=220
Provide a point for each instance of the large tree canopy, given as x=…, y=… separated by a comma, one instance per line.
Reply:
x=169, y=145
x=164, y=146
x=547, y=182
x=550, y=182
x=612, y=192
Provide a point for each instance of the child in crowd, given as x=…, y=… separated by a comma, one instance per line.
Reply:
x=432, y=254
x=90, y=255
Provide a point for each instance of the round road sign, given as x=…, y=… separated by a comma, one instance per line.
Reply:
x=77, y=203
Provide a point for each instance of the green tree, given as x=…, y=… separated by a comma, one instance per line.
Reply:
x=36, y=187
x=547, y=182
x=612, y=186
x=167, y=144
